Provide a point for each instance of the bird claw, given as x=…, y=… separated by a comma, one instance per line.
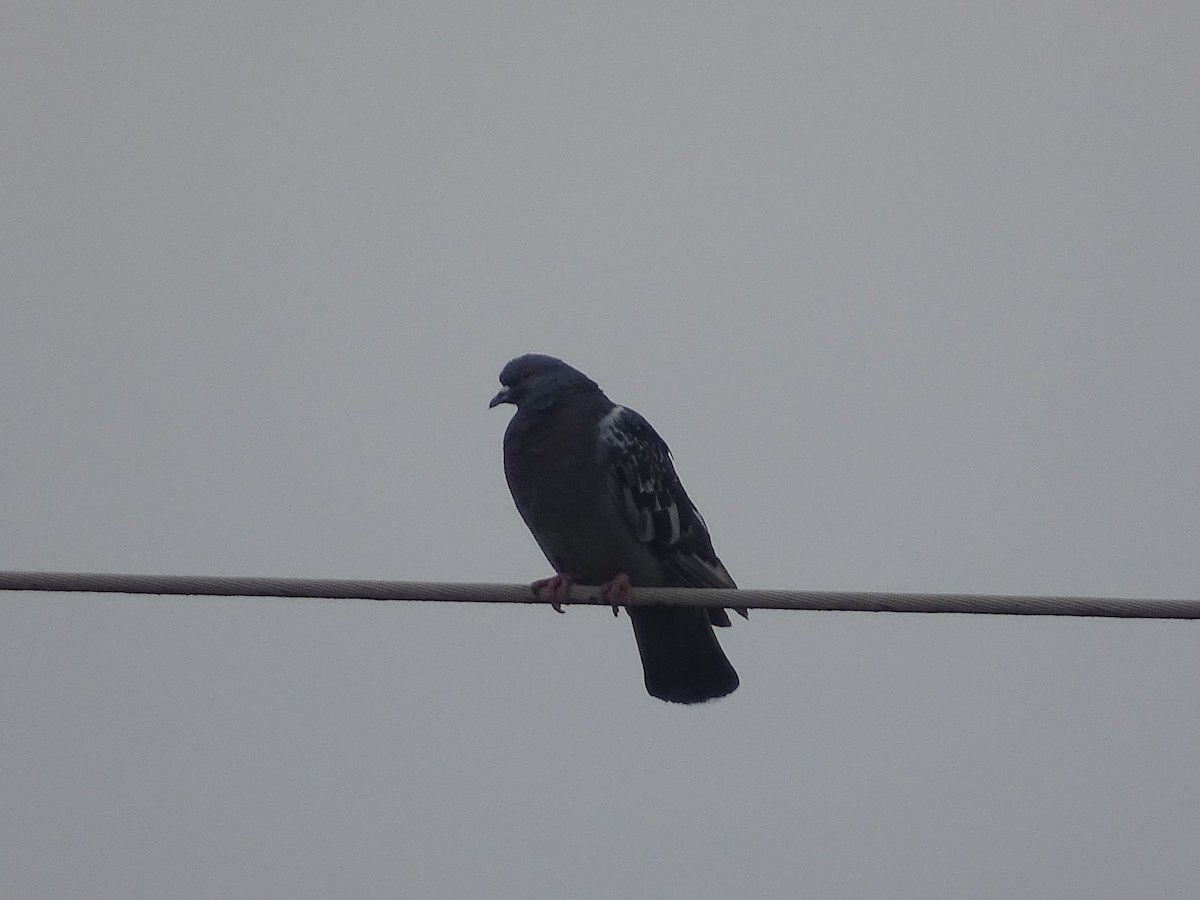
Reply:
x=556, y=589
x=616, y=592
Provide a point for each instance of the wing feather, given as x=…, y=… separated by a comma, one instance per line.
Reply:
x=646, y=489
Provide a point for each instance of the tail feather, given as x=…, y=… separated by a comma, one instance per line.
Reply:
x=681, y=658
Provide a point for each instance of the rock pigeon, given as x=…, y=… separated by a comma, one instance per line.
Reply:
x=596, y=485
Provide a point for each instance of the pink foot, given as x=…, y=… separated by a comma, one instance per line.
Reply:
x=617, y=592
x=556, y=589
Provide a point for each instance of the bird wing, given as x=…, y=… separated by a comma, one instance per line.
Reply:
x=645, y=488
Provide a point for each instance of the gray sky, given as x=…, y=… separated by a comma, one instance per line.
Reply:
x=912, y=292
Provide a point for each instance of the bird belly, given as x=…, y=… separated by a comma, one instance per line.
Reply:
x=583, y=535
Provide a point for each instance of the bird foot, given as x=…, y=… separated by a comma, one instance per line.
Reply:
x=556, y=589
x=616, y=592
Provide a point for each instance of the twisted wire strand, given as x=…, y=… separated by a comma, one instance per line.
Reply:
x=470, y=592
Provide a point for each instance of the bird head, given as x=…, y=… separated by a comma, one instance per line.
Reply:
x=537, y=380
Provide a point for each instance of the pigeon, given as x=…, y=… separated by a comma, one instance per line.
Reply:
x=597, y=487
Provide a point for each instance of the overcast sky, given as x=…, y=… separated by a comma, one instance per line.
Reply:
x=912, y=291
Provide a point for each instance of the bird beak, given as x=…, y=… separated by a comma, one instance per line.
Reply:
x=501, y=397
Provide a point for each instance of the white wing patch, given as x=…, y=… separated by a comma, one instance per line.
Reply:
x=611, y=433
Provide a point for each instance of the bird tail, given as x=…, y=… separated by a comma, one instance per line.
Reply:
x=680, y=655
